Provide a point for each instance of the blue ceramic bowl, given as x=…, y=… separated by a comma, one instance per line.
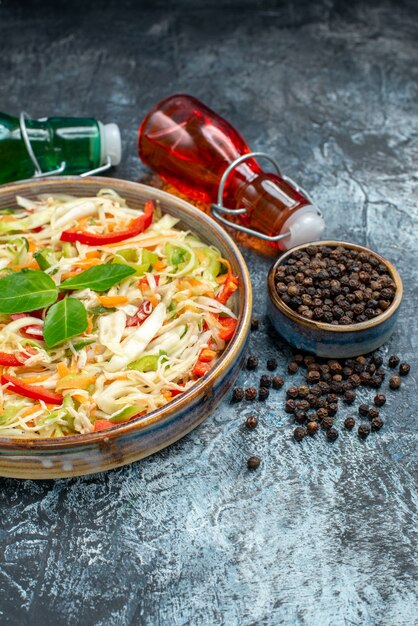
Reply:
x=86, y=454
x=326, y=340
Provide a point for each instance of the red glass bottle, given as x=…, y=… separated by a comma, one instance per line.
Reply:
x=190, y=146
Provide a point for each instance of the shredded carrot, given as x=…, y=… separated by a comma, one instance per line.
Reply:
x=87, y=263
x=29, y=380
x=31, y=409
x=93, y=254
x=29, y=265
x=167, y=394
x=110, y=301
x=66, y=275
x=159, y=265
x=32, y=246
x=63, y=370
x=89, y=325
x=79, y=398
x=154, y=301
x=78, y=381
x=221, y=279
x=206, y=355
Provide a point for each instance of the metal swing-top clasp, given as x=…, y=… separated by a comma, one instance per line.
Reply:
x=218, y=208
x=61, y=168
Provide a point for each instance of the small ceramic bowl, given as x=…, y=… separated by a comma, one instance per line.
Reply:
x=86, y=454
x=326, y=340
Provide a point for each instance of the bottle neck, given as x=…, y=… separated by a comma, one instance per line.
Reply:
x=270, y=201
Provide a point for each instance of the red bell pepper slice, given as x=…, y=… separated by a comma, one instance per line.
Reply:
x=102, y=425
x=30, y=391
x=33, y=331
x=136, y=227
x=229, y=325
x=140, y=316
x=13, y=360
x=201, y=368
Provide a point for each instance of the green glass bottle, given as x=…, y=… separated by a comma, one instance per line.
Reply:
x=65, y=145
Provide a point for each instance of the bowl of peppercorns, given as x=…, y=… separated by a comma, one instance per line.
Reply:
x=334, y=299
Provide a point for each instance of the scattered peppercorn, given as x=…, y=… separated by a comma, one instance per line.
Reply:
x=292, y=392
x=332, y=434
x=363, y=410
x=250, y=393
x=394, y=382
x=349, y=423
x=293, y=367
x=251, y=422
x=393, y=361
x=253, y=462
x=254, y=323
x=300, y=417
x=299, y=433
x=263, y=393
x=252, y=362
x=290, y=406
x=303, y=391
x=332, y=409
x=404, y=369
x=312, y=428
x=313, y=376
x=349, y=396
x=265, y=381
x=364, y=430
x=377, y=423
x=327, y=422
x=380, y=399
x=238, y=394
x=322, y=414
x=278, y=382
x=377, y=360
x=373, y=413
x=271, y=365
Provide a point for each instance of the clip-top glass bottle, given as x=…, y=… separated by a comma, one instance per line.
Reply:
x=70, y=145
x=190, y=146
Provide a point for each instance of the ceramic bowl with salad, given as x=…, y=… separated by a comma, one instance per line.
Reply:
x=124, y=314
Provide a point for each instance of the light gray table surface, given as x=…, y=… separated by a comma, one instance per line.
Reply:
x=320, y=534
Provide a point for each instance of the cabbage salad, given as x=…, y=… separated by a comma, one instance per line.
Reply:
x=106, y=313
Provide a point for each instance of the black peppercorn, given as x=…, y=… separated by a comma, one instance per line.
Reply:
x=290, y=406
x=313, y=376
x=278, y=382
x=251, y=422
x=377, y=360
x=300, y=417
x=349, y=396
x=364, y=430
x=292, y=392
x=250, y=393
x=377, y=423
x=316, y=390
x=298, y=358
x=303, y=391
x=332, y=434
x=349, y=423
x=394, y=382
x=393, y=361
x=373, y=413
x=332, y=409
x=363, y=410
x=302, y=405
x=380, y=399
x=252, y=362
x=322, y=413
x=253, y=462
x=263, y=393
x=404, y=369
x=299, y=433
x=312, y=428
x=327, y=422
x=265, y=381
x=254, y=323
x=238, y=394
x=293, y=367
x=271, y=365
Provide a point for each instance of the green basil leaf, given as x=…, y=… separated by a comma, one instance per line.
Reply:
x=21, y=292
x=98, y=278
x=64, y=320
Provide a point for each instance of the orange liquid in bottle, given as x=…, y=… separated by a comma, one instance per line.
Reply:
x=190, y=146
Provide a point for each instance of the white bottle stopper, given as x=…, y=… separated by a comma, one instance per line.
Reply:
x=304, y=225
x=111, y=143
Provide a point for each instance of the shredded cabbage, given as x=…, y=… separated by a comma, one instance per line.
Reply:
x=167, y=314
